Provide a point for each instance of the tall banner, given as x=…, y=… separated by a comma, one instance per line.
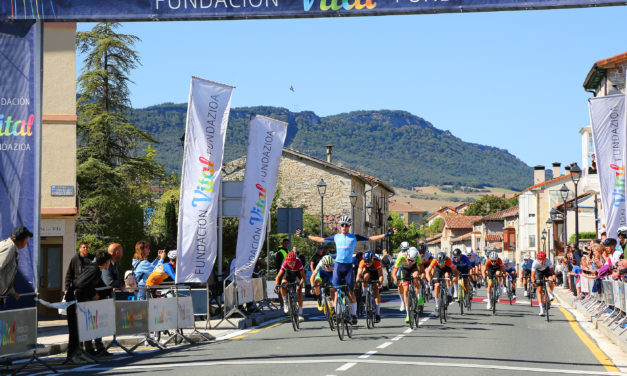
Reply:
x=20, y=135
x=265, y=146
x=607, y=116
x=207, y=118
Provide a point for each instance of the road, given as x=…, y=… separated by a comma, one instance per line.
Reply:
x=514, y=342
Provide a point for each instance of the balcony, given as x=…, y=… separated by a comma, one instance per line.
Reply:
x=589, y=183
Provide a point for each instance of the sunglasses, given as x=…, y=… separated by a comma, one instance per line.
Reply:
x=345, y=225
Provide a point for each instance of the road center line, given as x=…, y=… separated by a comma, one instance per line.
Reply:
x=368, y=354
x=398, y=337
x=345, y=366
x=408, y=331
x=384, y=345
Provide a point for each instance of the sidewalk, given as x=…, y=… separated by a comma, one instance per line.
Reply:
x=611, y=341
x=52, y=335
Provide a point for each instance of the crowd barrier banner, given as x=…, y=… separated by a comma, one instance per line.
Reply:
x=244, y=291
x=229, y=297
x=18, y=330
x=621, y=295
x=131, y=317
x=185, y=312
x=162, y=314
x=258, y=294
x=95, y=319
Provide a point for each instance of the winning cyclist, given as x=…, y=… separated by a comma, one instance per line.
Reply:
x=370, y=268
x=291, y=270
x=397, y=272
x=463, y=265
x=493, y=267
x=510, y=272
x=407, y=266
x=322, y=274
x=345, y=243
x=441, y=267
x=541, y=269
x=526, y=271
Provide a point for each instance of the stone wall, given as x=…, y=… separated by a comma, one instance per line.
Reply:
x=615, y=83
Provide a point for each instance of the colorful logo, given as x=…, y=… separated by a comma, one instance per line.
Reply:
x=257, y=212
x=206, y=182
x=91, y=319
x=160, y=317
x=619, y=185
x=127, y=321
x=12, y=127
x=334, y=5
x=7, y=333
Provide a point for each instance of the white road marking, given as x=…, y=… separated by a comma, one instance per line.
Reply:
x=368, y=354
x=384, y=345
x=352, y=362
x=345, y=366
x=398, y=337
x=408, y=331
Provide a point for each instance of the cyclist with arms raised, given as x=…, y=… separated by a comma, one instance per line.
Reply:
x=369, y=269
x=493, y=267
x=541, y=269
x=345, y=243
x=407, y=267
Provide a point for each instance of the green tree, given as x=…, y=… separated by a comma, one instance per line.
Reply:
x=488, y=205
x=116, y=163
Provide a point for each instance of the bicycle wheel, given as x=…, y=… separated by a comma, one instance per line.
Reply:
x=339, y=317
x=327, y=312
x=509, y=291
x=442, y=304
x=348, y=317
x=292, y=311
x=530, y=293
x=494, y=296
x=369, y=310
x=461, y=295
x=411, y=307
x=547, y=302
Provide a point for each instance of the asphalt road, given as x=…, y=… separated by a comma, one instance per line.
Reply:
x=514, y=342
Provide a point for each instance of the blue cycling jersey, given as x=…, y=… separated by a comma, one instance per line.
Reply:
x=345, y=245
x=527, y=266
x=463, y=262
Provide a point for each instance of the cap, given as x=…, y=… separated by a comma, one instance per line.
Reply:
x=609, y=242
x=21, y=232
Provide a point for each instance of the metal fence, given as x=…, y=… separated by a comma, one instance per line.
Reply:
x=605, y=299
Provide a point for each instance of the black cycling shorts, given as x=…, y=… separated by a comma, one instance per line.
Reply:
x=542, y=274
x=526, y=273
x=440, y=272
x=407, y=272
x=492, y=269
x=291, y=276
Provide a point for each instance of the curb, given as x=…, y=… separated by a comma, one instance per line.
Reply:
x=572, y=303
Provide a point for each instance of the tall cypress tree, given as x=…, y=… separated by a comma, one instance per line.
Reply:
x=116, y=164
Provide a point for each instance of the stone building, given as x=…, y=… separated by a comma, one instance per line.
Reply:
x=455, y=228
x=299, y=175
x=408, y=213
x=493, y=230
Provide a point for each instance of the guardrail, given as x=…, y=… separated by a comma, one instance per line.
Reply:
x=605, y=299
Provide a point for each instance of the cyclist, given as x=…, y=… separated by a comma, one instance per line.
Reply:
x=396, y=273
x=492, y=267
x=370, y=268
x=510, y=272
x=291, y=271
x=542, y=268
x=322, y=274
x=345, y=243
x=441, y=267
x=526, y=271
x=463, y=265
x=475, y=267
x=407, y=267
x=426, y=258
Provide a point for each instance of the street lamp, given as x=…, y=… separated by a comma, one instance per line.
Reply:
x=576, y=176
x=322, y=189
x=353, y=198
x=549, y=226
x=369, y=212
x=564, y=192
x=543, y=240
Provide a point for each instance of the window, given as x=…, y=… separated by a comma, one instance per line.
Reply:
x=532, y=241
x=532, y=215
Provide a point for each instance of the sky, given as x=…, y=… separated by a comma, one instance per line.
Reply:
x=512, y=80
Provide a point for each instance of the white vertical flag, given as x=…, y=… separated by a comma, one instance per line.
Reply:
x=265, y=146
x=607, y=116
x=207, y=118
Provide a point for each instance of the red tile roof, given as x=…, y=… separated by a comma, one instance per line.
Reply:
x=500, y=215
x=460, y=221
x=462, y=237
x=547, y=182
x=611, y=62
x=400, y=207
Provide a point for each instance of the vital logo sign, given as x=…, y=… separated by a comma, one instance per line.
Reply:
x=160, y=317
x=206, y=182
x=127, y=321
x=7, y=333
x=619, y=185
x=12, y=127
x=91, y=320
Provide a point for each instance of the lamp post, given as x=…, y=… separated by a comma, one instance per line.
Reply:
x=576, y=176
x=322, y=189
x=564, y=195
x=549, y=226
x=543, y=240
x=353, y=198
x=369, y=212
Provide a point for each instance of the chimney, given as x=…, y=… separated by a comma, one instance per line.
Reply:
x=556, y=170
x=567, y=170
x=329, y=153
x=538, y=175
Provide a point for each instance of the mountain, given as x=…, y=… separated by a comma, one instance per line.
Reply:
x=400, y=148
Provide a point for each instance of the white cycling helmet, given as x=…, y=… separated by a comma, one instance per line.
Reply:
x=172, y=254
x=622, y=230
x=327, y=260
x=412, y=254
x=468, y=251
x=493, y=256
x=505, y=260
x=345, y=220
x=404, y=246
x=527, y=257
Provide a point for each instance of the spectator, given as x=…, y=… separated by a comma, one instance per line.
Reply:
x=300, y=256
x=78, y=263
x=8, y=260
x=279, y=256
x=141, y=266
x=84, y=290
x=163, y=271
x=603, y=236
x=386, y=260
x=593, y=165
x=315, y=259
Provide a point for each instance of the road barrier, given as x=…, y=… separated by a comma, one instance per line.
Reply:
x=605, y=299
x=238, y=292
